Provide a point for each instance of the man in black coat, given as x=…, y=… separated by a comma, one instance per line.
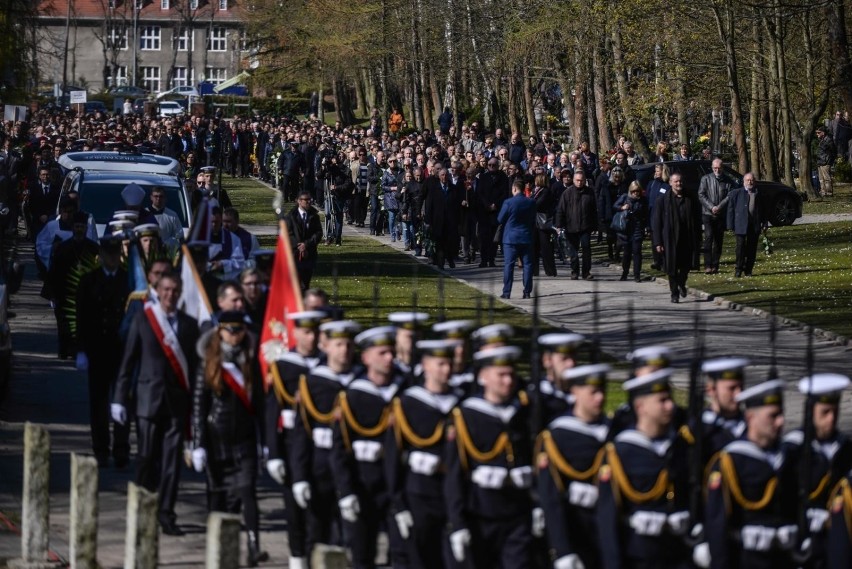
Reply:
x=441, y=217
x=577, y=214
x=492, y=188
x=101, y=297
x=305, y=230
x=42, y=200
x=161, y=344
x=170, y=143
x=674, y=224
x=745, y=219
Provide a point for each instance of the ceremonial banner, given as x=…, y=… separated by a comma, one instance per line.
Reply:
x=193, y=300
x=285, y=297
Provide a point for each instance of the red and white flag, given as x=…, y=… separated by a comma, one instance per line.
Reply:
x=285, y=297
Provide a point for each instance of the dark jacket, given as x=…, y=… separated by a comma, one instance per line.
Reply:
x=738, y=218
x=577, y=211
x=545, y=201
x=299, y=233
x=668, y=231
x=442, y=213
x=713, y=192
x=492, y=188
x=637, y=217
x=100, y=309
x=412, y=202
x=40, y=203
x=827, y=151
x=518, y=218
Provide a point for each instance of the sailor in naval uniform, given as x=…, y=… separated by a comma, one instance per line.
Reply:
x=839, y=542
x=559, y=354
x=462, y=374
x=281, y=416
x=643, y=361
x=750, y=515
x=723, y=419
x=830, y=455
x=568, y=456
x=489, y=471
x=483, y=338
x=313, y=485
x=414, y=464
x=408, y=330
x=642, y=503
x=357, y=454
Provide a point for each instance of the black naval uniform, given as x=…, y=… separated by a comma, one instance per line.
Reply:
x=839, y=546
x=642, y=510
x=569, y=455
x=357, y=460
x=414, y=466
x=830, y=460
x=488, y=482
x=311, y=450
x=281, y=417
x=554, y=402
x=718, y=432
x=751, y=494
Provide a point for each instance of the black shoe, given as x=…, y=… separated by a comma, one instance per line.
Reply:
x=491, y=264
x=504, y=296
x=527, y=295
x=255, y=554
x=451, y=263
x=675, y=299
x=738, y=274
x=748, y=274
x=623, y=277
x=574, y=276
x=467, y=260
x=171, y=528
x=682, y=289
x=483, y=265
x=589, y=277
x=637, y=279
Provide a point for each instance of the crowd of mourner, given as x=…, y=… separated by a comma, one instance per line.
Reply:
x=464, y=449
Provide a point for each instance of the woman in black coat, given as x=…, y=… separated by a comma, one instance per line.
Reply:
x=227, y=415
x=545, y=209
x=630, y=240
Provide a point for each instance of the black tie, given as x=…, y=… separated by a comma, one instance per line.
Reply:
x=305, y=220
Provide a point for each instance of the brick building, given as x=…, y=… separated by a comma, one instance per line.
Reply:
x=173, y=42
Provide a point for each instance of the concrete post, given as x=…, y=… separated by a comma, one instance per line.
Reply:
x=328, y=557
x=35, y=519
x=84, y=512
x=141, y=548
x=223, y=541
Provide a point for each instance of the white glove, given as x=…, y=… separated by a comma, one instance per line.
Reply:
x=118, y=413
x=199, y=459
x=302, y=494
x=459, y=540
x=521, y=476
x=701, y=555
x=349, y=508
x=570, y=561
x=538, y=522
x=82, y=362
x=404, y=521
x=678, y=522
x=276, y=469
x=786, y=536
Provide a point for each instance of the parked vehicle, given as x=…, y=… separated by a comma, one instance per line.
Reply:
x=170, y=109
x=128, y=92
x=784, y=203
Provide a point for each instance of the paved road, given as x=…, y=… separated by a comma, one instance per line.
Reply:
x=823, y=218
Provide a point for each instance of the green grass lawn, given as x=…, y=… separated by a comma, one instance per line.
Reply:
x=252, y=199
x=841, y=202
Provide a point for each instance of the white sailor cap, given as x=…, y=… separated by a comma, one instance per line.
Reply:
x=306, y=318
x=560, y=342
x=408, y=320
x=453, y=328
x=119, y=226
x=438, y=348
x=208, y=169
x=126, y=214
x=592, y=374
x=725, y=368
x=824, y=387
x=493, y=334
x=147, y=230
x=378, y=336
x=648, y=384
x=340, y=328
x=133, y=194
x=499, y=356
x=660, y=356
x=767, y=393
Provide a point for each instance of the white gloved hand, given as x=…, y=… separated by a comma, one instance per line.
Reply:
x=276, y=469
x=349, y=508
x=786, y=536
x=118, y=413
x=199, y=459
x=82, y=362
x=701, y=555
x=538, y=523
x=404, y=521
x=570, y=561
x=302, y=494
x=459, y=541
x=678, y=522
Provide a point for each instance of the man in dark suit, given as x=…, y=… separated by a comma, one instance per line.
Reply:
x=161, y=344
x=305, y=231
x=745, y=219
x=101, y=297
x=42, y=201
x=518, y=219
x=441, y=217
x=491, y=189
x=170, y=143
x=676, y=216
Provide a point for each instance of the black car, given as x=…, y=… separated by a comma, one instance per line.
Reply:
x=784, y=203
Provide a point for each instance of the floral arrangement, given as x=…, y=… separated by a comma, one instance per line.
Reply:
x=766, y=242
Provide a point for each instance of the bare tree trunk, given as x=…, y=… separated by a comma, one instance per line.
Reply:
x=592, y=126
x=631, y=127
x=511, y=100
x=526, y=82
x=437, y=105
x=680, y=96
x=605, y=141
x=839, y=41
x=320, y=96
x=807, y=128
x=786, y=150
x=755, y=105
x=580, y=103
x=360, y=96
x=725, y=27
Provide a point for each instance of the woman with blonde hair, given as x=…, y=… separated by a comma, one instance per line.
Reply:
x=226, y=422
x=635, y=206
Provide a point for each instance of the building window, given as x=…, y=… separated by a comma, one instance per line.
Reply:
x=182, y=79
x=121, y=75
x=139, y=4
x=149, y=38
x=164, y=4
x=193, y=4
x=216, y=75
x=218, y=39
x=223, y=4
x=186, y=40
x=244, y=40
x=117, y=37
x=151, y=79
x=111, y=4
